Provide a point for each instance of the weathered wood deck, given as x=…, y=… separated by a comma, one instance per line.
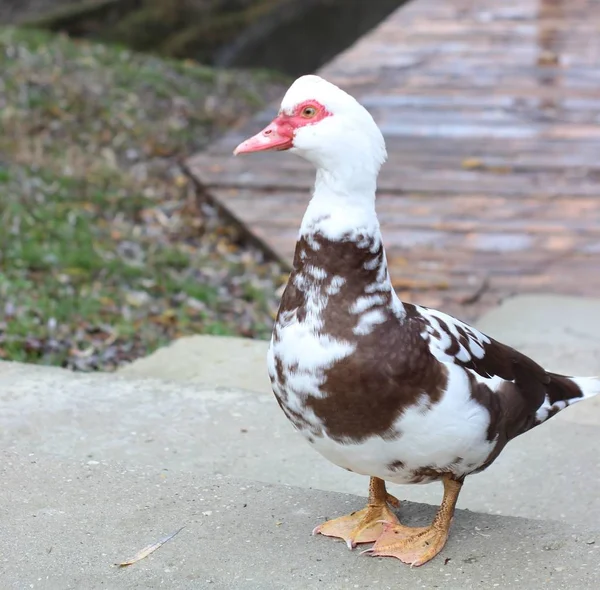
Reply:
x=491, y=113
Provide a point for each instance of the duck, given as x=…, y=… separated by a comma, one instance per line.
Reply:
x=390, y=390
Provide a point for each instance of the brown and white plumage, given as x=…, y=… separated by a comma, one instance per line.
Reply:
x=387, y=389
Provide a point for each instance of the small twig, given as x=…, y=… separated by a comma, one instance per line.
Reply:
x=475, y=297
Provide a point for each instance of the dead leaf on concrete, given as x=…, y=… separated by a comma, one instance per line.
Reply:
x=143, y=553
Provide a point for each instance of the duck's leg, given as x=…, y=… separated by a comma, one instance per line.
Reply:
x=363, y=526
x=417, y=546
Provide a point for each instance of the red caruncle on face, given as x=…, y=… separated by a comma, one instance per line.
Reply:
x=279, y=134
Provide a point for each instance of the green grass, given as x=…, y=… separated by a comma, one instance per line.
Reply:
x=105, y=250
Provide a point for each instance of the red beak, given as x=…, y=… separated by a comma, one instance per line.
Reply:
x=276, y=136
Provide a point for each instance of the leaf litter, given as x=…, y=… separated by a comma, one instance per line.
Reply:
x=107, y=249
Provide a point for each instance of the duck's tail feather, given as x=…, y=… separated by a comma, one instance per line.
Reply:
x=563, y=391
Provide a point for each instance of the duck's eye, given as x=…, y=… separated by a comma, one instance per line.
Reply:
x=309, y=112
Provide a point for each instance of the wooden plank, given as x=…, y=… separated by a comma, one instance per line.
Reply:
x=291, y=173
x=447, y=213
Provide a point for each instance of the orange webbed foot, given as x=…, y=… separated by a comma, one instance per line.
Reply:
x=366, y=525
x=362, y=526
x=412, y=545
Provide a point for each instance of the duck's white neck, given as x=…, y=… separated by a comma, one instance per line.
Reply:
x=342, y=206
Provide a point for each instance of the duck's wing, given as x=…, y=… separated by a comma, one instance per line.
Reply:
x=453, y=341
x=501, y=376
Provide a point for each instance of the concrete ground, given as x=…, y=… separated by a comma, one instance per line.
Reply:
x=208, y=360
x=97, y=466
x=66, y=523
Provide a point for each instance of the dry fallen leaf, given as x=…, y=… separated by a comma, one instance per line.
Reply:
x=181, y=180
x=143, y=553
x=418, y=284
x=471, y=164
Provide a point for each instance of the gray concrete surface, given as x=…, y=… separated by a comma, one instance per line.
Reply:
x=561, y=333
x=65, y=523
x=208, y=360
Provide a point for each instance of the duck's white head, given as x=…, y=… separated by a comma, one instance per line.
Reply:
x=326, y=126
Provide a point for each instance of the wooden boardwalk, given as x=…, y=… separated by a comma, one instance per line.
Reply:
x=491, y=113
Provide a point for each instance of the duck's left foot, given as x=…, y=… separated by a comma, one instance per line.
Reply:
x=412, y=545
x=418, y=545
x=366, y=525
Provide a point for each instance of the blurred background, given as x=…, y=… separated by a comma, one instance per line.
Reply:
x=107, y=248
x=292, y=36
x=125, y=223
